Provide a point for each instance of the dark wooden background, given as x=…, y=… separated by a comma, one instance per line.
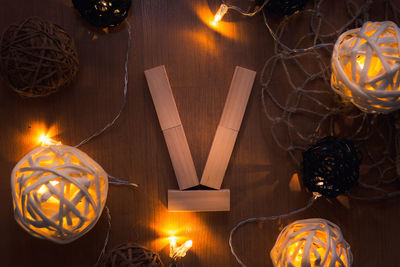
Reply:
x=200, y=62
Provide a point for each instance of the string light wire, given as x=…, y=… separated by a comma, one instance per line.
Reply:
x=244, y=13
x=123, y=102
x=103, y=250
x=262, y=219
x=327, y=116
x=115, y=180
x=358, y=14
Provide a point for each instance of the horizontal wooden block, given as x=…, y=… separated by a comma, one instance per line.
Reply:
x=181, y=157
x=163, y=98
x=237, y=98
x=198, y=200
x=218, y=158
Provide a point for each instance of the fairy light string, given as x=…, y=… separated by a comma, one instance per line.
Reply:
x=116, y=181
x=263, y=219
x=178, y=252
x=123, y=102
x=324, y=115
x=45, y=140
x=365, y=126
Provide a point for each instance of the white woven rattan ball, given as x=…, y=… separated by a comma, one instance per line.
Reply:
x=311, y=243
x=365, y=67
x=58, y=193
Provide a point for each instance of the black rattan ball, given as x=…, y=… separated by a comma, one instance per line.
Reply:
x=331, y=166
x=103, y=13
x=284, y=7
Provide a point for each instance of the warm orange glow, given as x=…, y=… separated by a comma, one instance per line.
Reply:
x=172, y=240
x=360, y=61
x=45, y=140
x=183, y=227
x=41, y=133
x=365, y=67
x=312, y=243
x=375, y=66
x=176, y=251
x=31, y=136
x=298, y=257
x=61, y=186
x=172, y=245
x=220, y=14
x=188, y=244
x=227, y=29
x=170, y=229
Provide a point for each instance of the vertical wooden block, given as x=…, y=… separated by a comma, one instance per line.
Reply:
x=163, y=98
x=198, y=200
x=171, y=126
x=218, y=158
x=237, y=98
x=229, y=125
x=181, y=158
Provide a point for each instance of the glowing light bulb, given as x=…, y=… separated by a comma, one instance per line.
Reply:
x=188, y=244
x=42, y=190
x=172, y=246
x=375, y=65
x=360, y=61
x=45, y=140
x=220, y=14
x=178, y=252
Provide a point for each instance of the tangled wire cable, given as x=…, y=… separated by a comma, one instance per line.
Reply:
x=310, y=100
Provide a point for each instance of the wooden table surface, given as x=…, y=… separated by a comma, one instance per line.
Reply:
x=200, y=62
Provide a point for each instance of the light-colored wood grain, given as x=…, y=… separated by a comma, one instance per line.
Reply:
x=231, y=119
x=238, y=96
x=218, y=158
x=163, y=98
x=199, y=200
x=171, y=126
x=181, y=157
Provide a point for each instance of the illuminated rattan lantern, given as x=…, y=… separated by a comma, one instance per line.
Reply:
x=58, y=193
x=311, y=243
x=365, y=67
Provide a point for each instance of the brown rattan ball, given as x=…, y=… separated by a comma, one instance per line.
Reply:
x=37, y=58
x=131, y=255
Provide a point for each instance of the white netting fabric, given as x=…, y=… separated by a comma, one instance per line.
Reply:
x=365, y=67
x=311, y=243
x=58, y=192
x=301, y=107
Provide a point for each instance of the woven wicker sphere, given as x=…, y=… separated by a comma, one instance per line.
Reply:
x=58, y=193
x=103, y=13
x=311, y=243
x=131, y=255
x=365, y=67
x=331, y=166
x=37, y=58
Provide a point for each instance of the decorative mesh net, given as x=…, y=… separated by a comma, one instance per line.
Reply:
x=301, y=106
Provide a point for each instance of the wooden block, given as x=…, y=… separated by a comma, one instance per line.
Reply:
x=218, y=158
x=181, y=158
x=237, y=98
x=199, y=200
x=229, y=125
x=163, y=98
